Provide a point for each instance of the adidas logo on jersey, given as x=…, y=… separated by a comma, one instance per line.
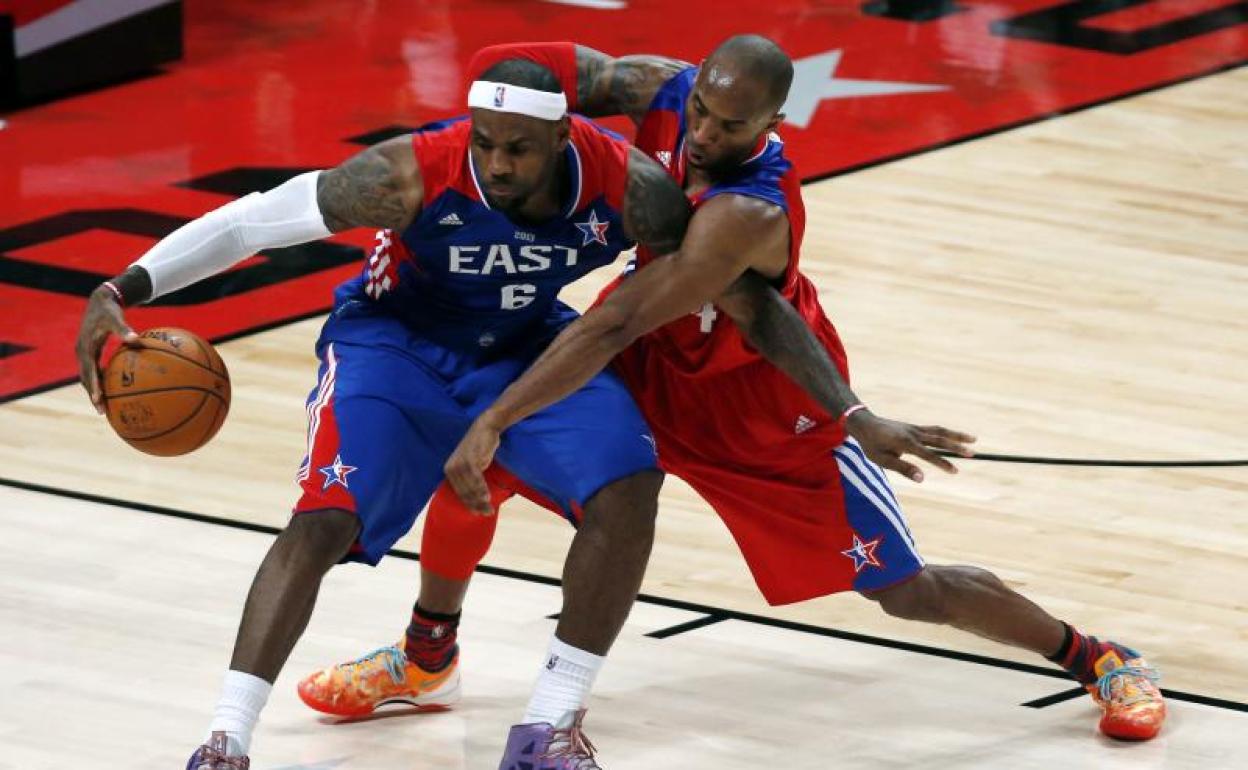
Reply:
x=451, y=219
x=804, y=424
x=664, y=157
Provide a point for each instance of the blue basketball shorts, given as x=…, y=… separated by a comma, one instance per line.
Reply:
x=390, y=406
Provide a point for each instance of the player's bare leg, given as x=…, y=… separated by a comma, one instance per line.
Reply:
x=285, y=587
x=278, y=607
x=973, y=600
x=601, y=577
x=607, y=561
x=977, y=601
x=441, y=594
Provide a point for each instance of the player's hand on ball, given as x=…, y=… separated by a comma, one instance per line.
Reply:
x=102, y=318
x=887, y=442
x=466, y=467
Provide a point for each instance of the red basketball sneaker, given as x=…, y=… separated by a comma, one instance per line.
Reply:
x=379, y=678
x=1132, y=706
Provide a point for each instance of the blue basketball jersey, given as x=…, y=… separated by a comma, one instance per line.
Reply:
x=464, y=275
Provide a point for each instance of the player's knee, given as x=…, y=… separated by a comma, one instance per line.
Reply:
x=626, y=507
x=320, y=538
x=921, y=598
x=936, y=594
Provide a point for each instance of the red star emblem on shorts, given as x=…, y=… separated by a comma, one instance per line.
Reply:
x=863, y=554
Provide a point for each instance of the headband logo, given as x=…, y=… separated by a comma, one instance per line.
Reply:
x=499, y=93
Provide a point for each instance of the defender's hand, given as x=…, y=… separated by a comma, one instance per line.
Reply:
x=886, y=442
x=102, y=318
x=466, y=467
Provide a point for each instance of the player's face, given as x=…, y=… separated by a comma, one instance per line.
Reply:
x=516, y=156
x=724, y=118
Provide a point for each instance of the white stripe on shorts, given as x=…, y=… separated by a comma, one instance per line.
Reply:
x=851, y=475
x=876, y=471
x=324, y=392
x=854, y=454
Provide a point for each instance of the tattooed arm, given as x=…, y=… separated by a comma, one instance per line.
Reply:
x=607, y=85
x=380, y=187
x=656, y=212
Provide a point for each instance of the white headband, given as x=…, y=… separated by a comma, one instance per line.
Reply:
x=501, y=97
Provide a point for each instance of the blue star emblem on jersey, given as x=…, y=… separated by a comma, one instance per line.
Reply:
x=336, y=473
x=863, y=553
x=593, y=230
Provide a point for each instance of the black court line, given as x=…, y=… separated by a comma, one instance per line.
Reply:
x=1095, y=462
x=1055, y=698
x=718, y=613
x=702, y=622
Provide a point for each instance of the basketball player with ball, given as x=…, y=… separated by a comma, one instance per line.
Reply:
x=482, y=221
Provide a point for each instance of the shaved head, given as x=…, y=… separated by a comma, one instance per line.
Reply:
x=735, y=102
x=755, y=58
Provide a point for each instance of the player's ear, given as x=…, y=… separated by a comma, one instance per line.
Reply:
x=775, y=122
x=563, y=130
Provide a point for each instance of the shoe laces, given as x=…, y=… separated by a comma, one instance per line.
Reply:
x=391, y=659
x=213, y=754
x=1123, y=685
x=572, y=744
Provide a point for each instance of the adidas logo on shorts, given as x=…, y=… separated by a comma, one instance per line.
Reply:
x=451, y=219
x=804, y=424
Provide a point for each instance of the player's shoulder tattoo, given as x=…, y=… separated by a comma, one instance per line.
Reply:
x=378, y=187
x=620, y=86
x=656, y=211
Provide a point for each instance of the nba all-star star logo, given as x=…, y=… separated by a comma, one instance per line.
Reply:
x=336, y=473
x=593, y=230
x=864, y=553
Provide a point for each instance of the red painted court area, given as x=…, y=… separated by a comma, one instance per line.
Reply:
x=269, y=89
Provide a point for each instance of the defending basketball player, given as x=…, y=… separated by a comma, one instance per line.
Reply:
x=812, y=513
x=482, y=222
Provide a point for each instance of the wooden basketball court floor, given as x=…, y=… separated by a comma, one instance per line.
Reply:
x=1077, y=288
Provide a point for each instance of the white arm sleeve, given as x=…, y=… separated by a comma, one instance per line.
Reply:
x=284, y=216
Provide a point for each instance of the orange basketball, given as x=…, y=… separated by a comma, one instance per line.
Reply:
x=168, y=397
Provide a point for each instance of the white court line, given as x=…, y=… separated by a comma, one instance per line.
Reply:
x=601, y=5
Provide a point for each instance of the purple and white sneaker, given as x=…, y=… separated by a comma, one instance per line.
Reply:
x=212, y=756
x=541, y=746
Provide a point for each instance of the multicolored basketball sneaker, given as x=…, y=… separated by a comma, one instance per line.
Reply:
x=212, y=756
x=541, y=746
x=380, y=678
x=1132, y=706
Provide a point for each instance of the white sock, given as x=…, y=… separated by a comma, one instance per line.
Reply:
x=563, y=684
x=242, y=698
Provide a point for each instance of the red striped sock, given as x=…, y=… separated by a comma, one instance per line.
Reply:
x=431, y=638
x=1079, y=654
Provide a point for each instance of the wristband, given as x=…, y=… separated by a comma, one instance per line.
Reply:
x=845, y=415
x=121, y=298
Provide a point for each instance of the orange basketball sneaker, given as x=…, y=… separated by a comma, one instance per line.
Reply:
x=380, y=678
x=1132, y=706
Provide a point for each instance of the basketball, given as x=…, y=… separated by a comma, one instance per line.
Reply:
x=168, y=397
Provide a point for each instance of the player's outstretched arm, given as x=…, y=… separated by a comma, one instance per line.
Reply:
x=625, y=85
x=379, y=187
x=774, y=327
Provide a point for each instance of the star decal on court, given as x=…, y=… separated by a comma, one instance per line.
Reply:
x=593, y=230
x=337, y=473
x=814, y=79
x=864, y=553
